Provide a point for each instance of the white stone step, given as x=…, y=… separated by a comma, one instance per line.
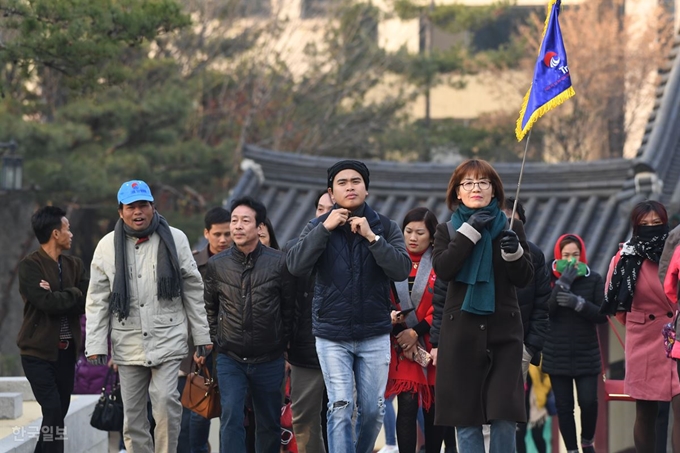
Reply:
x=11, y=405
x=20, y=436
x=17, y=384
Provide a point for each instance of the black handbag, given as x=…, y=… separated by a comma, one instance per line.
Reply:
x=108, y=412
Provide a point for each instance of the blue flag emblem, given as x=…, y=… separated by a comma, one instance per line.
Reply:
x=551, y=84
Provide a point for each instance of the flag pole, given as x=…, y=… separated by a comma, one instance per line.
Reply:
x=519, y=181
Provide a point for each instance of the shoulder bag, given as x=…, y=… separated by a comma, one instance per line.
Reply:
x=201, y=394
x=108, y=412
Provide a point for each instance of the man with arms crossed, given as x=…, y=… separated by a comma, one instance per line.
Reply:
x=53, y=286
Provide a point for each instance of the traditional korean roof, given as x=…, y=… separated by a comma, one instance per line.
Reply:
x=592, y=199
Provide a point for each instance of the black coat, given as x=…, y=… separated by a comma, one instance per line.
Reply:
x=533, y=303
x=250, y=300
x=479, y=374
x=572, y=347
x=302, y=349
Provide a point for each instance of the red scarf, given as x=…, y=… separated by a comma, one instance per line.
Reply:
x=406, y=375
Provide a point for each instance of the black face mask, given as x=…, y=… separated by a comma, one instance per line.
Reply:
x=647, y=233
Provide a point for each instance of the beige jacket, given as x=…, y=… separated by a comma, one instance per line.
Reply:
x=155, y=331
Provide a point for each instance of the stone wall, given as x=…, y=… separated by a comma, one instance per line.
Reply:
x=16, y=240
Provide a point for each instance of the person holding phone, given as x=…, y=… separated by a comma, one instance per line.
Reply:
x=410, y=381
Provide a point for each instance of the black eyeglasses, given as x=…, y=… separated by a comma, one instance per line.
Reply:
x=468, y=186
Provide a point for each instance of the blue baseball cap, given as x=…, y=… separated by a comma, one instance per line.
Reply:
x=134, y=190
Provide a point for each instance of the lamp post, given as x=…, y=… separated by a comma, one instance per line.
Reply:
x=12, y=167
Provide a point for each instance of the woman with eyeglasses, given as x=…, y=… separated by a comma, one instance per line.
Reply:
x=635, y=295
x=571, y=353
x=479, y=331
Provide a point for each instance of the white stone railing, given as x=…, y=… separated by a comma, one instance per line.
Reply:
x=19, y=426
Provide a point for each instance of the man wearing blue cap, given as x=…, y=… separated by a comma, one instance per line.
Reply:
x=145, y=288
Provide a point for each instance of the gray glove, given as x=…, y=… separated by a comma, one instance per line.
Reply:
x=98, y=360
x=202, y=351
x=570, y=300
x=567, y=278
x=480, y=219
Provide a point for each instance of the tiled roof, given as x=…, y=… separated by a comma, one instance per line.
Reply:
x=592, y=199
x=582, y=197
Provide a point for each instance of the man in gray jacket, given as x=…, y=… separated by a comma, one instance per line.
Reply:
x=144, y=289
x=355, y=252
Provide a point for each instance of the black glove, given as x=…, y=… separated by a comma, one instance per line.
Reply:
x=570, y=300
x=480, y=219
x=509, y=241
x=567, y=277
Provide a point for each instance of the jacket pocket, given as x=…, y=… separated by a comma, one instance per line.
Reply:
x=130, y=323
x=169, y=319
x=636, y=317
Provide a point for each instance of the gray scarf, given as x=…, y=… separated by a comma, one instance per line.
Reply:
x=169, y=278
x=407, y=301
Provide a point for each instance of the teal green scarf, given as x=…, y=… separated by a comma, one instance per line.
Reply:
x=477, y=272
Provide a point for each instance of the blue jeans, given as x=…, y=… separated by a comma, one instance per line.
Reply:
x=265, y=381
x=390, y=422
x=344, y=364
x=471, y=440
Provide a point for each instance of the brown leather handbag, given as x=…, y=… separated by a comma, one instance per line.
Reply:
x=201, y=394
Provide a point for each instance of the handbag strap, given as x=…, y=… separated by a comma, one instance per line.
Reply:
x=110, y=380
x=602, y=355
x=616, y=332
x=204, y=371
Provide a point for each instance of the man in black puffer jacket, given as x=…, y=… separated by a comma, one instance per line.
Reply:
x=307, y=389
x=249, y=299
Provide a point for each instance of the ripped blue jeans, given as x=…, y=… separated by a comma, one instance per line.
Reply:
x=344, y=363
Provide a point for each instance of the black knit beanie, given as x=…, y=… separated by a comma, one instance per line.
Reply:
x=359, y=167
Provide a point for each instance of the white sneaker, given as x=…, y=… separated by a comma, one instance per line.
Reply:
x=389, y=449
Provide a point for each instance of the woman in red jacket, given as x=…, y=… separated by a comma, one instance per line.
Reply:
x=635, y=295
x=412, y=383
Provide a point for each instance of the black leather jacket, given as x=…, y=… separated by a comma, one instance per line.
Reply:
x=250, y=300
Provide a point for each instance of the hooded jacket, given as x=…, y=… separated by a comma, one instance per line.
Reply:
x=572, y=347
